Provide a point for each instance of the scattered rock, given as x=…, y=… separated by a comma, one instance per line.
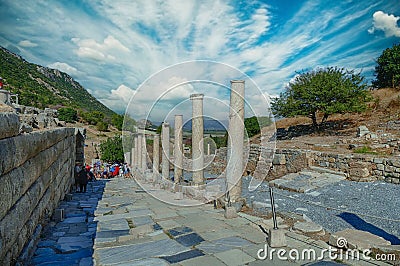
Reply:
x=307, y=227
x=362, y=131
x=25, y=128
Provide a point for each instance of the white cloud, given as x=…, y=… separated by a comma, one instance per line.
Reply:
x=27, y=43
x=108, y=50
x=386, y=23
x=117, y=99
x=122, y=93
x=64, y=67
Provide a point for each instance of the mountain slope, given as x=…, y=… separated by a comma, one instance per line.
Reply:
x=44, y=87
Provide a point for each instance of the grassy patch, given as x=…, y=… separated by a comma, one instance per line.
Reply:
x=365, y=150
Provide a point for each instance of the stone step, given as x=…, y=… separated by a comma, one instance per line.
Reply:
x=326, y=170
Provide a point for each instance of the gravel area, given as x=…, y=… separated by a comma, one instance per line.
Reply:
x=372, y=207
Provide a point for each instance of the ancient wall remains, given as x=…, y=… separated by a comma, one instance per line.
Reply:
x=358, y=167
x=35, y=174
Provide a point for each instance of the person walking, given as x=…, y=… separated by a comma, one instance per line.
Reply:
x=82, y=180
x=77, y=170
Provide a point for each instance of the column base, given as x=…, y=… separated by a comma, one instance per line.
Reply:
x=276, y=238
x=230, y=212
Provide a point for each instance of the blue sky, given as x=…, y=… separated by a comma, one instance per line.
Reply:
x=112, y=47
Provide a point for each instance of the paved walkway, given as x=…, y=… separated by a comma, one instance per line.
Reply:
x=117, y=223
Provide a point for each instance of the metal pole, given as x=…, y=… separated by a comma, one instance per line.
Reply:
x=271, y=195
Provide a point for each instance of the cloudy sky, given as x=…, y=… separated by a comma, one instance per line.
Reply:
x=112, y=47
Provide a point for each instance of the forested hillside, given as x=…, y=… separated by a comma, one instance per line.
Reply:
x=42, y=87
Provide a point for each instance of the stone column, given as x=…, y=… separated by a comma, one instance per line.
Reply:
x=165, y=148
x=234, y=169
x=132, y=162
x=139, y=152
x=135, y=152
x=156, y=154
x=127, y=157
x=178, y=149
x=208, y=149
x=197, y=138
x=144, y=154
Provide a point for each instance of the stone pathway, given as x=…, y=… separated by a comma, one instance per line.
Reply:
x=130, y=227
x=70, y=242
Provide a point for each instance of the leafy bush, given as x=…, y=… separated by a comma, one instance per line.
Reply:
x=102, y=126
x=67, y=114
x=93, y=117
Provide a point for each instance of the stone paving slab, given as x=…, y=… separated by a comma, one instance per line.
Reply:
x=126, y=253
x=183, y=256
x=234, y=257
x=202, y=261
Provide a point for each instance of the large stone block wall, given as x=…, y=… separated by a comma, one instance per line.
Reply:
x=358, y=167
x=36, y=171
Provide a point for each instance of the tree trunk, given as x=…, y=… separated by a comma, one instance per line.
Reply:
x=314, y=120
x=324, y=118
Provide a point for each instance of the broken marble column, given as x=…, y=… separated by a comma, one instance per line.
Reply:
x=197, y=138
x=165, y=149
x=178, y=149
x=139, y=151
x=234, y=169
x=144, y=154
x=156, y=155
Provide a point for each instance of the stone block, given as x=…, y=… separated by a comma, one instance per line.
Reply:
x=380, y=167
x=395, y=163
x=379, y=160
x=359, y=172
x=276, y=238
x=389, y=169
x=58, y=215
x=279, y=159
x=230, y=212
x=9, y=125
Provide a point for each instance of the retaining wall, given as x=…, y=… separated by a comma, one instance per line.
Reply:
x=36, y=171
x=358, y=167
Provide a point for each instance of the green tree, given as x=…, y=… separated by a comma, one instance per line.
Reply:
x=254, y=124
x=111, y=150
x=117, y=121
x=387, y=71
x=323, y=91
x=67, y=114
